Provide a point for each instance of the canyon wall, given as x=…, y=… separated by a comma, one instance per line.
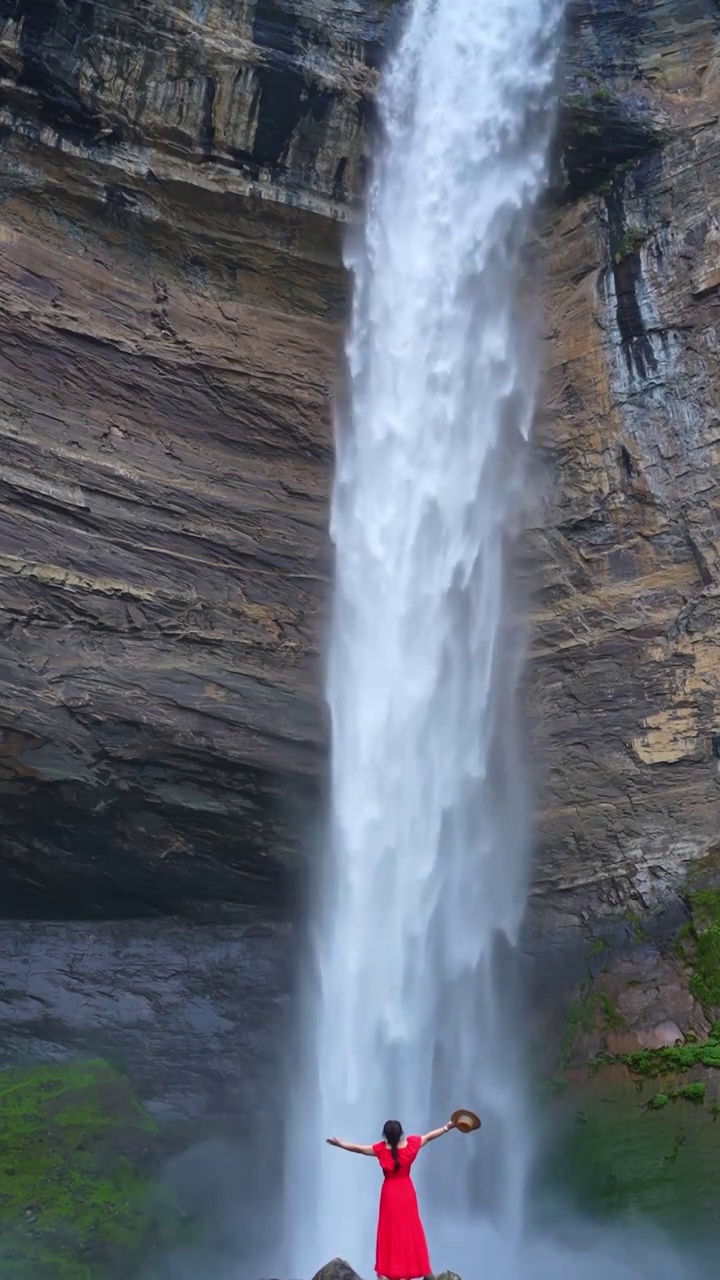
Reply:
x=627, y=657
x=175, y=182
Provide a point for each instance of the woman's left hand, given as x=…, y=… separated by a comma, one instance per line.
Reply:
x=334, y=1142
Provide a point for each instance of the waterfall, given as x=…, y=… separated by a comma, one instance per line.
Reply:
x=426, y=869
x=409, y=1010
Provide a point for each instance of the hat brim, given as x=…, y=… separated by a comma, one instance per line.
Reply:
x=464, y=1120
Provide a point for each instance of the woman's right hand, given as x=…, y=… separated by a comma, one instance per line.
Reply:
x=334, y=1142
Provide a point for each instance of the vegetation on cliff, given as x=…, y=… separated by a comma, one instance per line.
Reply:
x=700, y=945
x=638, y=1125
x=78, y=1196
x=635, y=1150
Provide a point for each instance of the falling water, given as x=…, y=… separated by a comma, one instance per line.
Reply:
x=425, y=879
x=427, y=867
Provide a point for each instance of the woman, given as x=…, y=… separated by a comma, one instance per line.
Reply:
x=402, y=1252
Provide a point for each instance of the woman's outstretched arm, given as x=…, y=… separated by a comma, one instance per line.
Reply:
x=351, y=1146
x=436, y=1133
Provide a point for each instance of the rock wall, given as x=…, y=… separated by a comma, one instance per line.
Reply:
x=627, y=664
x=174, y=181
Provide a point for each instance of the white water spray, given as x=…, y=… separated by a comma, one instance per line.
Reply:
x=425, y=881
x=428, y=846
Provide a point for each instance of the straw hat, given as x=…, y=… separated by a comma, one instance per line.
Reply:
x=465, y=1120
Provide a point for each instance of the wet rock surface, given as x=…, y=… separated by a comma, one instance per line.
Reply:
x=193, y=1014
x=623, y=1148
x=194, y=1019
x=337, y=1269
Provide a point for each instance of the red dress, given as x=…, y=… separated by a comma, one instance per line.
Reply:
x=402, y=1252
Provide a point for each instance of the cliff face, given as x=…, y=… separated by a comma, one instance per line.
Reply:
x=171, y=288
x=174, y=181
x=627, y=674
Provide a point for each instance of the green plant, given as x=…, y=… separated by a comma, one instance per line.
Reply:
x=632, y=241
x=688, y=1092
x=659, y=1101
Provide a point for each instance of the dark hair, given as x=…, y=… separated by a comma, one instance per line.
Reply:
x=392, y=1133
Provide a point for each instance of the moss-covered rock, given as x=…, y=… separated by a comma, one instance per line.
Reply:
x=626, y=1147
x=639, y=1142
x=78, y=1154
x=705, y=934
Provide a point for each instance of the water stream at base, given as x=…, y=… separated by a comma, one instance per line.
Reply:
x=409, y=1011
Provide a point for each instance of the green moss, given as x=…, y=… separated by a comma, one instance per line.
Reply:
x=697, y=944
x=623, y=1153
x=648, y=1064
x=593, y=1010
x=579, y=1018
x=76, y=1185
x=684, y=945
x=586, y=129
x=611, y=1015
x=705, y=980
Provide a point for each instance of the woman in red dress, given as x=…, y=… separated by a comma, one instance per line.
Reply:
x=402, y=1252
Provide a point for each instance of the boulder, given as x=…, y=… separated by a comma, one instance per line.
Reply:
x=338, y=1269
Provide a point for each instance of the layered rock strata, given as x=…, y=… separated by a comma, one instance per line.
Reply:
x=175, y=179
